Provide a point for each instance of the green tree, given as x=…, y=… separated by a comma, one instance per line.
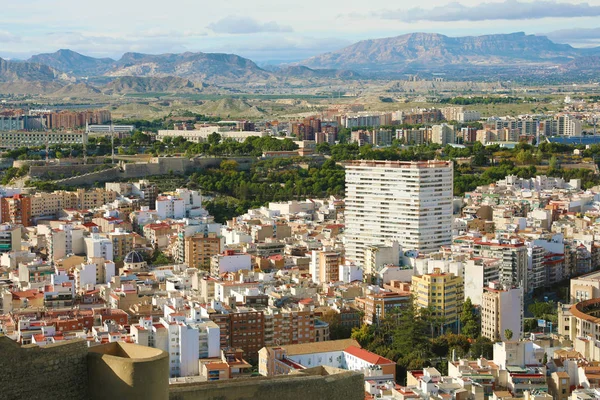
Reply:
x=229, y=165
x=482, y=347
x=470, y=326
x=363, y=335
x=214, y=138
x=541, y=309
x=508, y=334
x=553, y=163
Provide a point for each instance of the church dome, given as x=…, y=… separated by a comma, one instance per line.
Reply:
x=133, y=257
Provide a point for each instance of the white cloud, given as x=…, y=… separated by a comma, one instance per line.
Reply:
x=506, y=10
x=7, y=37
x=237, y=25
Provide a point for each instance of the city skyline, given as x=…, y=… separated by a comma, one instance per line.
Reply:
x=264, y=31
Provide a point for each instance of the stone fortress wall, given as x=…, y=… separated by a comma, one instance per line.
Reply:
x=72, y=371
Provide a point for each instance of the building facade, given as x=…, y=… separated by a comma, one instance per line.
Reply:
x=410, y=202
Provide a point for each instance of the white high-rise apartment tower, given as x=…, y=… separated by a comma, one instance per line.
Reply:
x=410, y=202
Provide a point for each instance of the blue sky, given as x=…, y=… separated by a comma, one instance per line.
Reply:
x=274, y=29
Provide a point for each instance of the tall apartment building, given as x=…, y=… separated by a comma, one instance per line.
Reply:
x=514, y=269
x=562, y=125
x=180, y=340
x=72, y=120
x=325, y=266
x=443, y=292
x=23, y=209
x=200, y=248
x=410, y=202
x=170, y=207
x=243, y=328
x=288, y=326
x=16, y=210
x=569, y=126
x=65, y=240
x=501, y=309
x=443, y=134
x=189, y=229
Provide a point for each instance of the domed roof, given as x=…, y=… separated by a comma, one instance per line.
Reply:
x=133, y=257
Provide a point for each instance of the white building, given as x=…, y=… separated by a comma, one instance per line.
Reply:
x=202, y=134
x=172, y=335
x=478, y=273
x=501, y=310
x=468, y=115
x=95, y=271
x=569, y=126
x=410, y=202
x=350, y=272
x=63, y=241
x=230, y=261
x=443, y=134
x=98, y=246
x=379, y=255
x=170, y=207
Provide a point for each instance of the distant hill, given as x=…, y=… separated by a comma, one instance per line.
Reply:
x=300, y=71
x=423, y=49
x=136, y=84
x=29, y=78
x=206, y=67
x=231, y=107
x=74, y=63
x=589, y=64
x=76, y=90
x=490, y=57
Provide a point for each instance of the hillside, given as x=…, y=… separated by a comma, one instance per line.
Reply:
x=422, y=49
x=206, y=67
x=29, y=78
x=231, y=108
x=74, y=63
x=299, y=71
x=134, y=84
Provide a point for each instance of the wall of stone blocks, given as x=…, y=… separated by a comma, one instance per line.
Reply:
x=57, y=371
x=343, y=386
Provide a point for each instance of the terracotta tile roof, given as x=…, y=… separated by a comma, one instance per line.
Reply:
x=366, y=355
x=320, y=347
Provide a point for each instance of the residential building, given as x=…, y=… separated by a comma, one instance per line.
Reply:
x=16, y=210
x=200, y=248
x=230, y=261
x=325, y=266
x=98, y=246
x=16, y=139
x=501, y=310
x=122, y=243
x=10, y=238
x=443, y=134
x=170, y=207
x=410, y=202
x=513, y=253
x=379, y=303
x=441, y=291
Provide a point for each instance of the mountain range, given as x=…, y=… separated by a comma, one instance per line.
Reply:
x=66, y=71
x=424, y=49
